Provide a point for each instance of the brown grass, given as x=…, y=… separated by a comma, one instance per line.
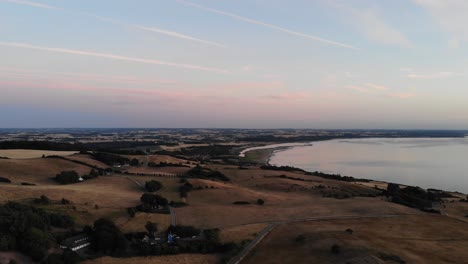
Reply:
x=239, y=233
x=89, y=160
x=39, y=171
x=415, y=239
x=176, y=259
x=31, y=153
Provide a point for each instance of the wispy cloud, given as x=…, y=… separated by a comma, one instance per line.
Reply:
x=436, y=75
x=112, y=56
x=257, y=22
x=30, y=3
x=158, y=30
x=114, y=21
x=376, y=86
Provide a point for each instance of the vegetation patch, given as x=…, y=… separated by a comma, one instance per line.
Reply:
x=25, y=228
x=5, y=180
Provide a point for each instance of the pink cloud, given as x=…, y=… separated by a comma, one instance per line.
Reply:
x=376, y=86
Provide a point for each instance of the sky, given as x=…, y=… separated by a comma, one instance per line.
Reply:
x=234, y=63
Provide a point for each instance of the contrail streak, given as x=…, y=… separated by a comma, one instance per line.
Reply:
x=158, y=30
x=145, y=28
x=29, y=3
x=112, y=56
x=252, y=21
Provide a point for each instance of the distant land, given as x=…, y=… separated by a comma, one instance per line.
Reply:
x=145, y=195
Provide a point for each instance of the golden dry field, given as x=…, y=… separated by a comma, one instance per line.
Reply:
x=414, y=239
x=32, y=153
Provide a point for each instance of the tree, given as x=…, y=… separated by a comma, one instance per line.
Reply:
x=108, y=238
x=153, y=186
x=134, y=162
x=151, y=228
x=260, y=201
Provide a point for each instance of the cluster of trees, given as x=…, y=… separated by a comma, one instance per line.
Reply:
x=67, y=177
x=107, y=238
x=150, y=203
x=413, y=196
x=25, y=228
x=153, y=186
x=206, y=173
x=109, y=158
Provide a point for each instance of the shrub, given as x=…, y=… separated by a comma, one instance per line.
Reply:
x=65, y=201
x=131, y=212
x=260, y=202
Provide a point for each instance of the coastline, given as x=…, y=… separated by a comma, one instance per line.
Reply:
x=269, y=152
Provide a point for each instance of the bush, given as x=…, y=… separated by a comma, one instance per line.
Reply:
x=65, y=201
x=335, y=249
x=260, y=202
x=28, y=184
x=153, y=186
x=300, y=239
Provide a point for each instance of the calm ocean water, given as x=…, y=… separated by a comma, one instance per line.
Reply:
x=440, y=163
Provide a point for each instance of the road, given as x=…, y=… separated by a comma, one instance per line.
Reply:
x=173, y=216
x=137, y=183
x=238, y=258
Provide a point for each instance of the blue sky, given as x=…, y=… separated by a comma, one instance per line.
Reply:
x=243, y=63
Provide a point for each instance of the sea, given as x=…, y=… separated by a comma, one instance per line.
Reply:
x=439, y=163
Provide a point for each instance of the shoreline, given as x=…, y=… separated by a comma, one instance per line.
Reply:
x=272, y=150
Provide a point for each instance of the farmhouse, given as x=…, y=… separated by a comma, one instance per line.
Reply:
x=75, y=243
